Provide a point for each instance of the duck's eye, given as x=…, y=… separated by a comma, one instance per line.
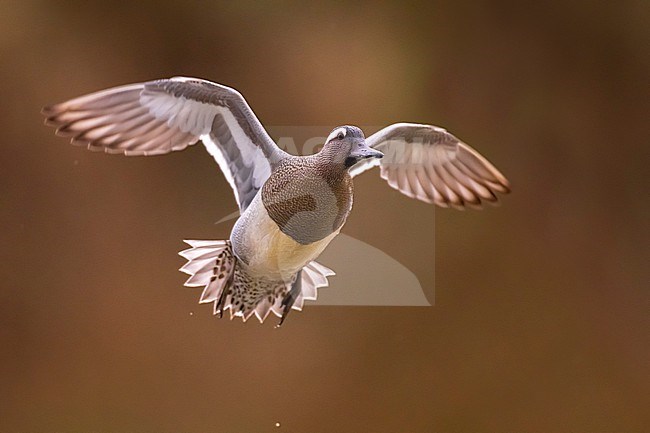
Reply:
x=340, y=136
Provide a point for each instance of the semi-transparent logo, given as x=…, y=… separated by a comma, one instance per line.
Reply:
x=365, y=275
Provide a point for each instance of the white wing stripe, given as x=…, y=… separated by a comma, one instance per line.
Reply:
x=216, y=152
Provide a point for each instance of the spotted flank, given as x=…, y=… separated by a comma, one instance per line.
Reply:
x=213, y=266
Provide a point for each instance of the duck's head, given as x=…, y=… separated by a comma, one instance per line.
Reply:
x=347, y=145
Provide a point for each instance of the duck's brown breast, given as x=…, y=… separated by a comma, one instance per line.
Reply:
x=308, y=201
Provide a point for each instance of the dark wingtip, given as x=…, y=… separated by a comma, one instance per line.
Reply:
x=49, y=110
x=507, y=186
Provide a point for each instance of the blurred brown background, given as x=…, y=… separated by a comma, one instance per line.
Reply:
x=541, y=316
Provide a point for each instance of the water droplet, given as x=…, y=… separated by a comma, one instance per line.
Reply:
x=191, y=313
x=277, y=424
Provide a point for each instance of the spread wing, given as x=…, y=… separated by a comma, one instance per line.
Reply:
x=162, y=116
x=430, y=164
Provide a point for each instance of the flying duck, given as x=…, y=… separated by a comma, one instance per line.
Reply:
x=291, y=206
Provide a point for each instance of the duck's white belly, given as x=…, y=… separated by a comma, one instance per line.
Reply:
x=267, y=251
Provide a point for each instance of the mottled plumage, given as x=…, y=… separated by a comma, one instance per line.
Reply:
x=291, y=206
x=307, y=198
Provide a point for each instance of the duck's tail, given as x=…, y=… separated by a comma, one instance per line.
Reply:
x=213, y=266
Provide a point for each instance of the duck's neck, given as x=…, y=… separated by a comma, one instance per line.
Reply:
x=331, y=166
